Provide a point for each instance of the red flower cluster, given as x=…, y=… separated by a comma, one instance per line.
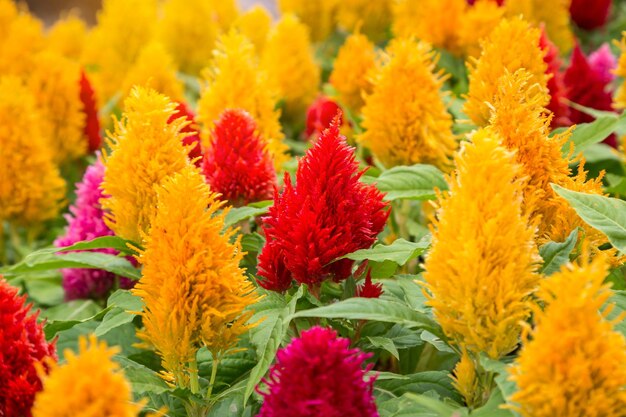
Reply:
x=236, y=163
x=368, y=289
x=327, y=214
x=590, y=14
x=320, y=115
x=556, y=84
x=319, y=375
x=193, y=138
x=22, y=344
x=92, y=123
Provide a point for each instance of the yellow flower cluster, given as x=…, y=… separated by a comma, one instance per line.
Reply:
x=319, y=15
x=255, y=24
x=21, y=36
x=371, y=18
x=193, y=289
x=480, y=273
x=67, y=37
x=477, y=23
x=554, y=15
x=405, y=119
x=574, y=365
x=620, y=71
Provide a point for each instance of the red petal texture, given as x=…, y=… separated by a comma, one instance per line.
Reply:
x=22, y=344
x=236, y=164
x=590, y=14
x=92, y=123
x=369, y=289
x=327, y=214
x=182, y=110
x=556, y=84
x=320, y=114
x=319, y=375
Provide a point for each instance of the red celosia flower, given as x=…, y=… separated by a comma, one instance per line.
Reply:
x=92, y=123
x=22, y=345
x=588, y=85
x=236, y=163
x=368, y=289
x=590, y=14
x=327, y=214
x=182, y=110
x=558, y=106
x=316, y=375
x=319, y=115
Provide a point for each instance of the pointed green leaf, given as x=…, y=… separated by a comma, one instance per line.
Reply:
x=555, y=254
x=416, y=182
x=400, y=251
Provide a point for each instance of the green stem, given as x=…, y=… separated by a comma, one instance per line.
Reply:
x=427, y=353
x=194, y=380
x=216, y=362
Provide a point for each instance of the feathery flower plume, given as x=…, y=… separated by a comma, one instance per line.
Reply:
x=23, y=348
x=234, y=81
x=368, y=289
x=192, y=287
x=89, y=384
x=319, y=15
x=145, y=149
x=327, y=214
x=31, y=190
x=320, y=115
x=67, y=37
x=477, y=23
x=556, y=82
x=512, y=45
x=405, y=119
x=192, y=139
x=55, y=83
x=154, y=68
x=91, y=128
x=575, y=363
x=355, y=59
x=236, y=165
x=21, y=37
x=480, y=272
x=554, y=15
x=590, y=15
x=372, y=18
x=86, y=222
x=318, y=374
x=465, y=379
x=288, y=60
x=620, y=71
x=255, y=24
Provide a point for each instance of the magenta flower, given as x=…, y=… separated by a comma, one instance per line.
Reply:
x=316, y=375
x=86, y=222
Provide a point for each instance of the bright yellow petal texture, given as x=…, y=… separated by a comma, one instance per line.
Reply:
x=514, y=44
x=620, y=71
x=55, y=83
x=405, y=119
x=480, y=272
x=434, y=21
x=574, y=364
x=372, y=18
x=154, y=68
x=234, y=81
x=21, y=36
x=67, y=37
x=255, y=24
x=31, y=189
x=554, y=15
x=477, y=23
x=318, y=15
x=289, y=62
x=355, y=59
x=124, y=27
x=193, y=289
x=145, y=149
x=465, y=380
x=89, y=384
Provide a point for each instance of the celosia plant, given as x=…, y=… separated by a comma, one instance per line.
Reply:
x=319, y=16
x=320, y=115
x=620, y=71
x=372, y=18
x=91, y=129
x=192, y=139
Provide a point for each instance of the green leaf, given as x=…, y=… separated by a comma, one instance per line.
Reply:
x=103, y=242
x=235, y=215
x=586, y=134
x=556, y=254
x=142, y=379
x=416, y=182
x=385, y=344
x=506, y=386
x=123, y=308
x=400, y=251
x=440, y=408
x=68, y=315
x=619, y=301
x=493, y=407
x=603, y=213
x=420, y=383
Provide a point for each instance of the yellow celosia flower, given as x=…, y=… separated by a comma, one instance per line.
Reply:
x=405, y=119
x=512, y=45
x=67, y=37
x=21, y=36
x=372, y=18
x=465, y=380
x=620, y=71
x=478, y=22
x=318, y=15
x=145, y=149
x=112, y=47
x=192, y=287
x=234, y=80
x=553, y=14
x=255, y=24
x=31, y=188
x=480, y=272
x=154, y=68
x=434, y=21
x=289, y=62
x=355, y=60
x=55, y=83
x=575, y=363
x=89, y=384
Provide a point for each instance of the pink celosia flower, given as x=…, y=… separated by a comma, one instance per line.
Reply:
x=86, y=222
x=368, y=289
x=320, y=114
x=327, y=214
x=558, y=106
x=590, y=14
x=92, y=123
x=22, y=345
x=193, y=139
x=317, y=375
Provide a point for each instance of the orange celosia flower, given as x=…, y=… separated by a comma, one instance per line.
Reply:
x=318, y=15
x=372, y=18
x=480, y=272
x=67, y=36
x=192, y=287
x=21, y=37
x=620, y=71
x=553, y=14
x=255, y=24
x=477, y=23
